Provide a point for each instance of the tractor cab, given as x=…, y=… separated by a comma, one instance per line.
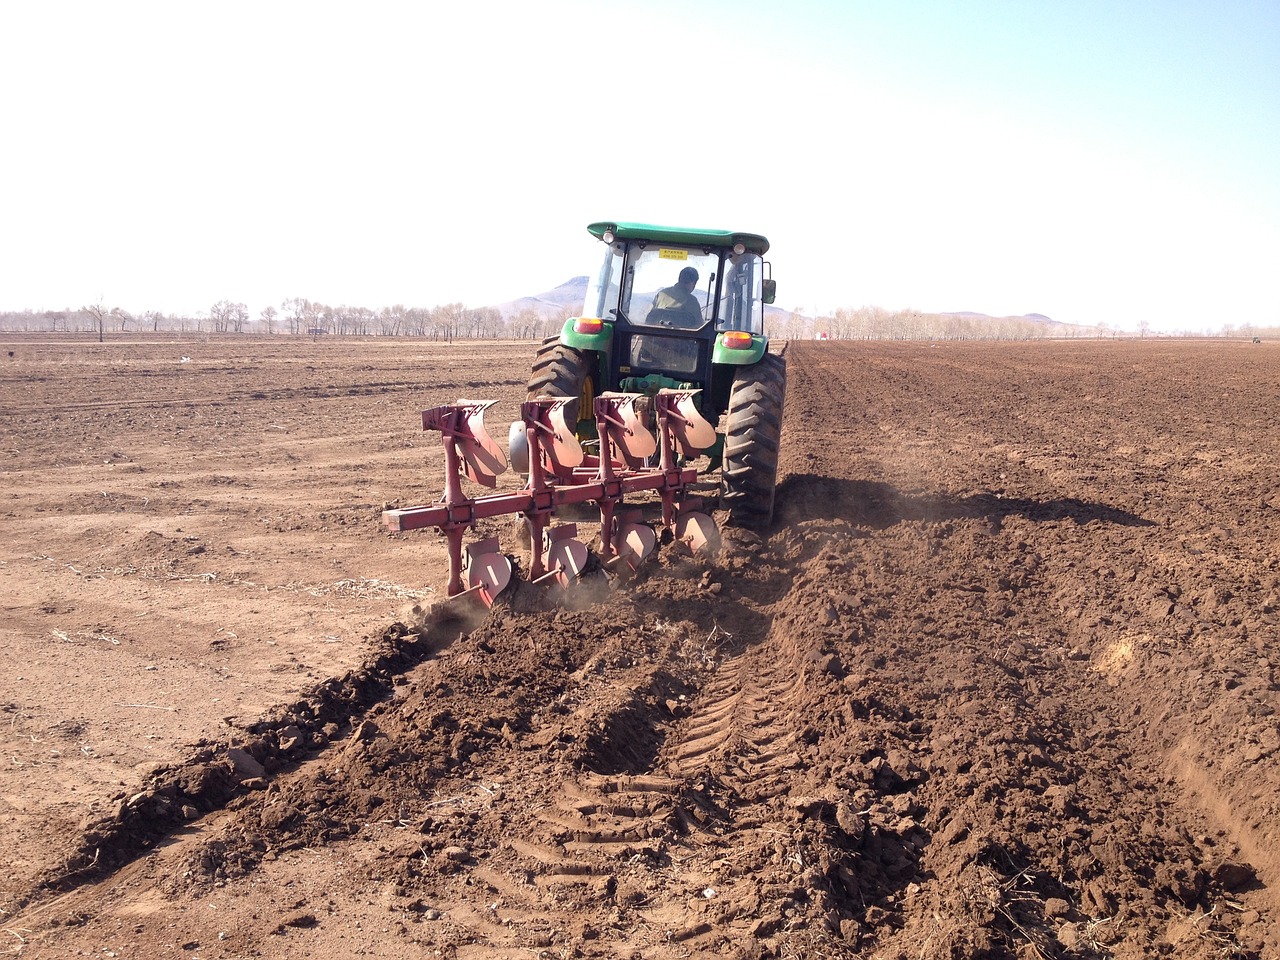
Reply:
x=675, y=304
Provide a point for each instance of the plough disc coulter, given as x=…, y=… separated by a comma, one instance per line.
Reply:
x=632, y=459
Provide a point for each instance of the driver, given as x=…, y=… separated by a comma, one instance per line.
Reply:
x=680, y=299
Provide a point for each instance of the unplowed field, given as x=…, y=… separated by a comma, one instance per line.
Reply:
x=1000, y=680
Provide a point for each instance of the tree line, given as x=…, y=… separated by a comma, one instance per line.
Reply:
x=877, y=323
x=456, y=321
x=298, y=316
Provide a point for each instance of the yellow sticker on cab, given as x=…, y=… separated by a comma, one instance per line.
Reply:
x=666, y=254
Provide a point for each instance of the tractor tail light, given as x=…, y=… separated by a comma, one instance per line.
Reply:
x=737, y=340
x=588, y=325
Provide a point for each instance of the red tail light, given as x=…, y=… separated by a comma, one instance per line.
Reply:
x=588, y=325
x=737, y=340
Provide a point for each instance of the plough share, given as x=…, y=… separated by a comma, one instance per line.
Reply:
x=631, y=460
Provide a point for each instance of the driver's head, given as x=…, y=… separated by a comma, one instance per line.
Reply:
x=690, y=276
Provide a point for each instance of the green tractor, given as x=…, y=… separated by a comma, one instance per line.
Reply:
x=681, y=308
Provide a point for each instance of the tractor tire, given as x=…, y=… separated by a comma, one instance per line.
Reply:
x=560, y=371
x=753, y=429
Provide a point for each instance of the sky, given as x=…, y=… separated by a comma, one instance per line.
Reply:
x=1097, y=161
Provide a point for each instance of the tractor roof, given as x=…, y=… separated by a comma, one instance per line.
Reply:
x=712, y=238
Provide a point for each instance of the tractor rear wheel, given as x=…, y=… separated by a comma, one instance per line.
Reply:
x=560, y=371
x=753, y=430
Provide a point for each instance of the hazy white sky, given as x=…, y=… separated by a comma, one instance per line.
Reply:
x=1097, y=161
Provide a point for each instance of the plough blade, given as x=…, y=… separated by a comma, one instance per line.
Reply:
x=699, y=533
x=564, y=557
x=634, y=543
x=483, y=459
x=463, y=425
x=564, y=451
x=629, y=439
x=488, y=570
x=690, y=429
x=558, y=449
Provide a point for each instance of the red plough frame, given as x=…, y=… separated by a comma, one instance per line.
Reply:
x=560, y=474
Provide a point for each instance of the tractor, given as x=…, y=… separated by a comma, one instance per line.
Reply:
x=675, y=308
x=670, y=344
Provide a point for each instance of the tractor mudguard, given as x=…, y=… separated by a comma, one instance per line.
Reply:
x=739, y=356
x=599, y=341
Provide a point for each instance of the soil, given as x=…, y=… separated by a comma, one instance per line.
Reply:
x=1000, y=680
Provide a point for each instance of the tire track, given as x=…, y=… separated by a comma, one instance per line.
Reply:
x=740, y=729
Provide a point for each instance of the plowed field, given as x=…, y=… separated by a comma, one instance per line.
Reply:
x=1000, y=680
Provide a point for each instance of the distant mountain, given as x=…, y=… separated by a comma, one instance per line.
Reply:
x=569, y=295
x=1033, y=317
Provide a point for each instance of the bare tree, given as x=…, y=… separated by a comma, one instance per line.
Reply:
x=268, y=318
x=312, y=316
x=391, y=320
x=556, y=323
x=295, y=309
x=483, y=322
x=98, y=316
x=350, y=321
x=363, y=319
x=447, y=321
x=526, y=324
x=417, y=321
x=220, y=314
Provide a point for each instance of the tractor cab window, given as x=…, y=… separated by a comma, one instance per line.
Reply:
x=669, y=286
x=602, y=293
x=740, y=294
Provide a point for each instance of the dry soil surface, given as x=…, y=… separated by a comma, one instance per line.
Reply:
x=1000, y=680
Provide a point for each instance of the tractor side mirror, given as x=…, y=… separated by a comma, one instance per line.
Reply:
x=770, y=290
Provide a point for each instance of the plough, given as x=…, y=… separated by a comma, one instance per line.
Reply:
x=631, y=460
